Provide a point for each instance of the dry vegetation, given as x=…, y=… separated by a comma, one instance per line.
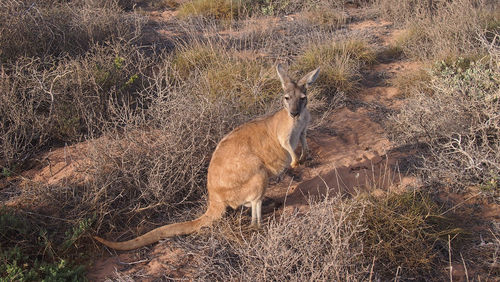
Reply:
x=442, y=29
x=458, y=122
x=335, y=239
x=78, y=70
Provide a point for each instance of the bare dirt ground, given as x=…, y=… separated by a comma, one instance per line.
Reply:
x=349, y=153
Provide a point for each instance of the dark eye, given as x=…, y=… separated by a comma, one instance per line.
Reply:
x=302, y=98
x=286, y=97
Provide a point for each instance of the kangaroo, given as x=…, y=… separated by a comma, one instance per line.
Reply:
x=244, y=160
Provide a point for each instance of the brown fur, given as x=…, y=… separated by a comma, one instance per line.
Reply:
x=243, y=162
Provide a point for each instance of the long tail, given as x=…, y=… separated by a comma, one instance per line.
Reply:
x=214, y=211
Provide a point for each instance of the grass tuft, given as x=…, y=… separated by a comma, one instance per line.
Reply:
x=210, y=71
x=412, y=81
x=407, y=232
x=340, y=62
x=211, y=9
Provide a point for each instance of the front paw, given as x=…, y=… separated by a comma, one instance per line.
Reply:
x=294, y=164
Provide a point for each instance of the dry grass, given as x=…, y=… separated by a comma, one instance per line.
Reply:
x=206, y=69
x=327, y=14
x=458, y=122
x=329, y=248
x=211, y=9
x=440, y=29
x=412, y=81
x=340, y=63
x=61, y=28
x=153, y=119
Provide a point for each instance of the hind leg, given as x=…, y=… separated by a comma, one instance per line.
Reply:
x=254, y=193
x=256, y=212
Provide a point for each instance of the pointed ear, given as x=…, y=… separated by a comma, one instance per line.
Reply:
x=283, y=76
x=309, y=78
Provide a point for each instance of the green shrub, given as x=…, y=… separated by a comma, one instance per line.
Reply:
x=29, y=253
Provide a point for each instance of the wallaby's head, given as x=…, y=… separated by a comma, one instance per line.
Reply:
x=295, y=98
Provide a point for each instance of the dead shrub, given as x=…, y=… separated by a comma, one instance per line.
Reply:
x=65, y=99
x=106, y=76
x=47, y=95
x=24, y=111
x=459, y=123
x=332, y=239
x=439, y=29
x=52, y=28
x=321, y=243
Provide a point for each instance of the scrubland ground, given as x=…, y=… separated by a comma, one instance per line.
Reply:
x=109, y=113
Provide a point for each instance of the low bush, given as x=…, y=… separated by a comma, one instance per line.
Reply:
x=440, y=29
x=362, y=238
x=323, y=243
x=54, y=28
x=65, y=99
x=30, y=252
x=458, y=122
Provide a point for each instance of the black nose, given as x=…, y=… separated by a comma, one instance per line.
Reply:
x=294, y=114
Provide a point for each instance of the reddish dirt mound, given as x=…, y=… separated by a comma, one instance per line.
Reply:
x=59, y=164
